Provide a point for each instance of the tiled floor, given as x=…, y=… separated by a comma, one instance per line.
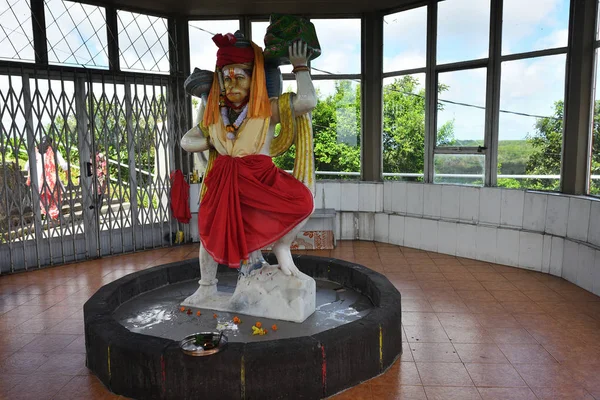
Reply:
x=472, y=330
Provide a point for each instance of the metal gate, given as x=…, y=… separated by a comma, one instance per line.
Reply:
x=103, y=187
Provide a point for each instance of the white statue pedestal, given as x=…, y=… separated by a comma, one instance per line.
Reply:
x=266, y=292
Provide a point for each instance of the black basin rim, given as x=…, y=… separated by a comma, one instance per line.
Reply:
x=326, y=362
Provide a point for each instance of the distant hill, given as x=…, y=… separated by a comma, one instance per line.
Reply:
x=512, y=154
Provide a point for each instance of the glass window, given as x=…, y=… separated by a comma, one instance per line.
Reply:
x=404, y=127
x=461, y=169
x=340, y=44
x=76, y=34
x=595, y=161
x=143, y=42
x=534, y=25
x=461, y=108
x=337, y=127
x=16, y=35
x=405, y=40
x=259, y=30
x=531, y=122
x=203, y=51
x=463, y=30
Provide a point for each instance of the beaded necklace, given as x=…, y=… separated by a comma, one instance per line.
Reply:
x=232, y=128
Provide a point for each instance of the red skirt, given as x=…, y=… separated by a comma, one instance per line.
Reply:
x=249, y=203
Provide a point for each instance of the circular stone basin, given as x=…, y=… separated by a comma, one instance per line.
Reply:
x=133, y=328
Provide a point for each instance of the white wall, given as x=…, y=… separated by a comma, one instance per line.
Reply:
x=545, y=232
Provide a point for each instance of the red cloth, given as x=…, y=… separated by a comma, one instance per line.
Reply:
x=180, y=197
x=249, y=203
x=229, y=54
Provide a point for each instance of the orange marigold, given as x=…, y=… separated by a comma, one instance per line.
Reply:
x=258, y=324
x=274, y=327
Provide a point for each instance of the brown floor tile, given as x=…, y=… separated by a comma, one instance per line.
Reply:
x=410, y=318
x=543, y=295
x=416, y=305
x=498, y=285
x=444, y=374
x=434, y=352
x=466, y=285
x=562, y=393
x=64, y=364
x=480, y=353
x=22, y=362
x=511, y=335
x=546, y=375
x=460, y=276
x=526, y=354
x=452, y=393
x=485, y=307
x=398, y=393
x=426, y=334
x=506, y=394
x=361, y=392
x=458, y=320
x=38, y=386
x=455, y=310
x=469, y=335
x=49, y=343
x=434, y=285
x=509, y=295
x=494, y=375
x=445, y=306
x=475, y=295
x=502, y=320
x=9, y=380
x=401, y=373
x=489, y=277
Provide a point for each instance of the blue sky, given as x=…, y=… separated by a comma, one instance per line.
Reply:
x=529, y=86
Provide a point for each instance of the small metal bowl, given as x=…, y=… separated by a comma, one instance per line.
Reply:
x=211, y=343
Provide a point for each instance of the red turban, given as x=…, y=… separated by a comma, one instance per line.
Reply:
x=229, y=54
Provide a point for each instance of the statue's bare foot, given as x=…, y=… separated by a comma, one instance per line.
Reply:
x=284, y=258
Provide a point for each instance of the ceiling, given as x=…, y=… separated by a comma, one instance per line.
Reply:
x=214, y=8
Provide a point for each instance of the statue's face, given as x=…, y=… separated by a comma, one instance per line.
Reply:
x=237, y=83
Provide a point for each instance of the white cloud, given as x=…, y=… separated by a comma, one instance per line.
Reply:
x=340, y=44
x=203, y=51
x=16, y=32
x=405, y=39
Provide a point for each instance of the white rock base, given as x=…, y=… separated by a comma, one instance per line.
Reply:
x=266, y=293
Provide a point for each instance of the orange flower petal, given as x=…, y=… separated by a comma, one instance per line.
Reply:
x=198, y=313
x=274, y=327
x=258, y=324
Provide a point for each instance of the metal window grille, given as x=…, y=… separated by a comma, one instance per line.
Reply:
x=143, y=42
x=16, y=32
x=76, y=34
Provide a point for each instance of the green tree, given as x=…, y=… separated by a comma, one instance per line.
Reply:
x=404, y=126
x=336, y=129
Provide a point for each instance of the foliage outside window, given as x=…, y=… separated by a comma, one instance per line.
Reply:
x=403, y=141
x=404, y=127
x=336, y=128
x=595, y=138
x=337, y=117
x=530, y=132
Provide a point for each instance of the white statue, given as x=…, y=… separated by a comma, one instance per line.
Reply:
x=247, y=202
